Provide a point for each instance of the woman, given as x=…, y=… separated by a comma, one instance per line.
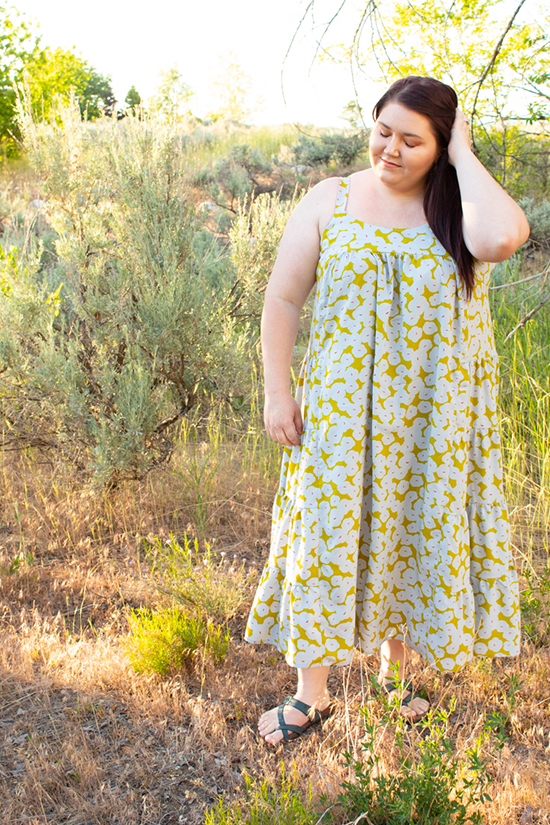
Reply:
x=390, y=528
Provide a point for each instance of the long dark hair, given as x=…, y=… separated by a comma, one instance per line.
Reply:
x=442, y=202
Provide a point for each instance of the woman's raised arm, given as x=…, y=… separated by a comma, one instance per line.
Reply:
x=494, y=225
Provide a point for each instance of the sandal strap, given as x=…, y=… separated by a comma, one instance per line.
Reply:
x=285, y=727
x=292, y=702
x=314, y=715
x=410, y=698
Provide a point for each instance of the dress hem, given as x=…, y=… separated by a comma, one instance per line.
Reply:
x=370, y=650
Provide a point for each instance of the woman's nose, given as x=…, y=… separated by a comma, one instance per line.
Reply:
x=393, y=146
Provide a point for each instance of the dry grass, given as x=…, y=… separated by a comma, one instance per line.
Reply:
x=84, y=739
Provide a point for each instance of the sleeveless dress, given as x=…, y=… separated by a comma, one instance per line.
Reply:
x=390, y=519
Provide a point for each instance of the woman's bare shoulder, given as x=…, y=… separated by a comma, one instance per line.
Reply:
x=318, y=204
x=322, y=192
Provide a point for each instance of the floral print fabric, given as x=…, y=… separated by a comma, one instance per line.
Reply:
x=390, y=520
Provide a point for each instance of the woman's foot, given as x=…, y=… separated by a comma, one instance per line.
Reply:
x=268, y=723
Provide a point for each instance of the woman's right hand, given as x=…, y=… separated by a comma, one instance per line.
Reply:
x=283, y=419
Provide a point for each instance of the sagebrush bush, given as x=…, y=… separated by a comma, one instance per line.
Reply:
x=234, y=177
x=336, y=148
x=165, y=641
x=255, y=236
x=538, y=215
x=107, y=346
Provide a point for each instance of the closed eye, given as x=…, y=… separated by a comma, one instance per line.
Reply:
x=383, y=134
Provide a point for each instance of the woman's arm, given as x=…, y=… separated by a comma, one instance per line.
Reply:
x=289, y=285
x=494, y=225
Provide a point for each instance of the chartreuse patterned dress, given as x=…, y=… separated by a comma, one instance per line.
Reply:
x=390, y=519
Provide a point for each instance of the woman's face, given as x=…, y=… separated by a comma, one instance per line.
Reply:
x=403, y=148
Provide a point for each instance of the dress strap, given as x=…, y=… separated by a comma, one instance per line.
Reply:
x=341, y=205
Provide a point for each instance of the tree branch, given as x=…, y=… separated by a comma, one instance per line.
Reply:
x=523, y=280
x=489, y=66
x=527, y=317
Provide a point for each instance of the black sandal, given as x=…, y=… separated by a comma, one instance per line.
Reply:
x=291, y=732
x=391, y=686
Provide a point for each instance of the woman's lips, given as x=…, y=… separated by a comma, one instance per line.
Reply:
x=390, y=163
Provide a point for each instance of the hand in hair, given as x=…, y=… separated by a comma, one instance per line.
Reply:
x=460, y=137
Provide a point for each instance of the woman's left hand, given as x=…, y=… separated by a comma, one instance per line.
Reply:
x=460, y=137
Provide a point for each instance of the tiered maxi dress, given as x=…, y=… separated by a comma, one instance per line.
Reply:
x=390, y=519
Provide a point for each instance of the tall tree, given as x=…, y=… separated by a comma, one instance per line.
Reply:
x=132, y=99
x=48, y=73
x=232, y=88
x=18, y=40
x=53, y=74
x=488, y=50
x=172, y=96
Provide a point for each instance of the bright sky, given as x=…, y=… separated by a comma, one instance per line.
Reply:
x=133, y=42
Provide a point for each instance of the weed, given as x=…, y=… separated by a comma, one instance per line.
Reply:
x=267, y=803
x=198, y=478
x=422, y=781
x=498, y=721
x=165, y=641
x=20, y=563
x=535, y=607
x=213, y=587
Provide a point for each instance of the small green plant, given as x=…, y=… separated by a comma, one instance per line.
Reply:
x=167, y=640
x=535, y=607
x=267, y=803
x=422, y=781
x=20, y=563
x=215, y=587
x=198, y=478
x=498, y=721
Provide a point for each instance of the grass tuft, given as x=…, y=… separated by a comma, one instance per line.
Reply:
x=165, y=641
x=194, y=577
x=279, y=802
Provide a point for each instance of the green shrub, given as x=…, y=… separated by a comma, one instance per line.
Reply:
x=255, y=236
x=422, y=781
x=231, y=178
x=337, y=148
x=267, y=803
x=167, y=640
x=499, y=721
x=538, y=215
x=106, y=348
x=213, y=587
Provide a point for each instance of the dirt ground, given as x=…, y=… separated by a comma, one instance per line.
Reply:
x=84, y=739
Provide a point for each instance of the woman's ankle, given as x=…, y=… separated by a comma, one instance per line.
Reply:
x=312, y=686
x=393, y=655
x=313, y=698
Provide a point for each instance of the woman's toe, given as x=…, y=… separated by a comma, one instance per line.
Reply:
x=420, y=706
x=274, y=737
x=265, y=726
